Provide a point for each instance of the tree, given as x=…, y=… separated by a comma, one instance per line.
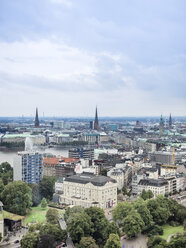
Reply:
x=17, y=197
x=100, y=224
x=150, y=194
x=178, y=240
x=6, y=172
x=36, y=194
x=54, y=230
x=156, y=242
x=87, y=242
x=113, y=228
x=47, y=187
x=155, y=230
x=30, y=240
x=121, y=211
x=103, y=172
x=133, y=224
x=0, y=236
x=146, y=216
x=159, y=213
x=43, y=203
x=147, y=194
x=124, y=190
x=1, y=188
x=184, y=224
x=113, y=241
x=79, y=225
x=52, y=216
x=70, y=211
x=46, y=241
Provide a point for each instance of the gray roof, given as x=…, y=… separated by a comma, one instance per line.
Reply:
x=85, y=178
x=153, y=182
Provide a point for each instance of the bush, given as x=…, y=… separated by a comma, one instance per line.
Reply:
x=174, y=223
x=155, y=230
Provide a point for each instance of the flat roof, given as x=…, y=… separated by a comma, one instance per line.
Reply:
x=11, y=216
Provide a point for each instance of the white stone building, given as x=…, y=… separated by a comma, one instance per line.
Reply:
x=88, y=190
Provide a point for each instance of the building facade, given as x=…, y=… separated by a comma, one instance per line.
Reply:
x=28, y=167
x=88, y=190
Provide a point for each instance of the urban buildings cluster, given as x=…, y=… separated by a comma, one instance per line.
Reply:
x=103, y=156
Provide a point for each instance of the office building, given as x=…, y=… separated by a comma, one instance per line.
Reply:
x=86, y=153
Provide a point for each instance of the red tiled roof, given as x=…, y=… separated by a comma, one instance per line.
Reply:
x=56, y=161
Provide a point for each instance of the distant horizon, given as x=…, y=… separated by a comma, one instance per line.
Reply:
x=92, y=117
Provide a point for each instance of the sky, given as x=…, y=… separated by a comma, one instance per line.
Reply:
x=128, y=57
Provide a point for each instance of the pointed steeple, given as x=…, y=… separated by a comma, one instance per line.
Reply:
x=161, y=125
x=170, y=122
x=96, y=122
x=36, y=122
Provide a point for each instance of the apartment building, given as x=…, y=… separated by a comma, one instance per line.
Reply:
x=28, y=167
x=157, y=186
x=59, y=167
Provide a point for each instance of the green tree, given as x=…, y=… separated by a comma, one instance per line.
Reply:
x=155, y=230
x=6, y=172
x=178, y=240
x=54, y=230
x=17, y=197
x=156, y=242
x=52, y=216
x=87, y=242
x=184, y=224
x=147, y=194
x=103, y=172
x=1, y=188
x=30, y=240
x=100, y=224
x=146, y=216
x=121, y=211
x=112, y=227
x=36, y=194
x=124, y=190
x=43, y=203
x=113, y=241
x=1, y=237
x=133, y=224
x=70, y=211
x=159, y=213
x=79, y=225
x=46, y=241
x=47, y=187
x=150, y=194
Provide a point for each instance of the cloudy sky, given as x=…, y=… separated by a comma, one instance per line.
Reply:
x=128, y=57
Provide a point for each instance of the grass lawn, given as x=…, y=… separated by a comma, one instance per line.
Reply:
x=168, y=230
x=38, y=214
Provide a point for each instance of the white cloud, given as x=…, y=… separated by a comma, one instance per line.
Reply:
x=65, y=2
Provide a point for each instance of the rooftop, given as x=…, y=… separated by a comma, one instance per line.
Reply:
x=153, y=182
x=85, y=178
x=57, y=161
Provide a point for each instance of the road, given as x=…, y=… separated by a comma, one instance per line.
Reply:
x=13, y=238
x=63, y=226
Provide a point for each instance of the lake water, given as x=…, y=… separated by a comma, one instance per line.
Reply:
x=8, y=155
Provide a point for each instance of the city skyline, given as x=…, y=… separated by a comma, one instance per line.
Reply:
x=126, y=57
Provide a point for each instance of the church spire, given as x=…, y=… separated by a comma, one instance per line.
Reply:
x=161, y=125
x=96, y=122
x=36, y=122
x=170, y=122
